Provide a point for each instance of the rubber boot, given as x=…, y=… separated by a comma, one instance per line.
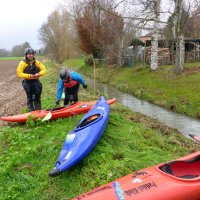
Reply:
x=30, y=105
x=37, y=104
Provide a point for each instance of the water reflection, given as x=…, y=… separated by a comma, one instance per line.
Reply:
x=186, y=125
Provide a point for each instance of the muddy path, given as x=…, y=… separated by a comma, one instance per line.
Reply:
x=12, y=95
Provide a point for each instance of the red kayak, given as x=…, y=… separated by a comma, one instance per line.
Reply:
x=79, y=107
x=195, y=137
x=175, y=180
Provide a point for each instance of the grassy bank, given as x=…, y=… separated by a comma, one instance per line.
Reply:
x=131, y=142
x=179, y=93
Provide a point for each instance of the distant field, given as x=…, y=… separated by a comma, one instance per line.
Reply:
x=18, y=58
x=11, y=58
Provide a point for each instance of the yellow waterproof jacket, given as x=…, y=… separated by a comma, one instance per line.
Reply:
x=23, y=65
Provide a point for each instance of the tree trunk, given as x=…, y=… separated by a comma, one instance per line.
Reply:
x=119, y=56
x=154, y=41
x=154, y=51
x=178, y=36
x=180, y=54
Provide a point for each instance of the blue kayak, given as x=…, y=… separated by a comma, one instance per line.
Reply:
x=80, y=142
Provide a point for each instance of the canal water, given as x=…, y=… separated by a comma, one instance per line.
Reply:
x=185, y=125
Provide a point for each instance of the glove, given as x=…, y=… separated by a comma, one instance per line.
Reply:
x=85, y=86
x=57, y=102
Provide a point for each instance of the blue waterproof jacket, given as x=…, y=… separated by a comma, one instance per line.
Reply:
x=75, y=76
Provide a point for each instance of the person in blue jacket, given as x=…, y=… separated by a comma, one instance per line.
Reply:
x=70, y=82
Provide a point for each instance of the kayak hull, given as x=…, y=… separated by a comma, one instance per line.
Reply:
x=80, y=142
x=195, y=137
x=175, y=180
x=63, y=112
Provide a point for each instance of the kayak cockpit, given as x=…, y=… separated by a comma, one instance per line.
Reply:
x=89, y=120
x=185, y=169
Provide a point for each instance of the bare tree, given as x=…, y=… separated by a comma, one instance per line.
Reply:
x=4, y=53
x=183, y=22
x=18, y=50
x=152, y=11
x=99, y=31
x=192, y=26
x=58, y=35
x=137, y=15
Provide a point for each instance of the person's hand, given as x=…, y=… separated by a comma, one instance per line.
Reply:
x=85, y=86
x=57, y=102
x=37, y=76
x=34, y=76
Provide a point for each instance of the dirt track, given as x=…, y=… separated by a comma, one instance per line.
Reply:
x=12, y=95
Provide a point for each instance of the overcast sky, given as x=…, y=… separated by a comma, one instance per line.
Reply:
x=20, y=21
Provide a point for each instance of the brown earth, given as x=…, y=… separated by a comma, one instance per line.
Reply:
x=12, y=95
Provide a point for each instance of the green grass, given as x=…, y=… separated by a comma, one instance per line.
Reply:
x=11, y=58
x=179, y=93
x=29, y=152
x=75, y=64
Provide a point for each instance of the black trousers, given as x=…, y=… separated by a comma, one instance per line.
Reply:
x=71, y=94
x=33, y=89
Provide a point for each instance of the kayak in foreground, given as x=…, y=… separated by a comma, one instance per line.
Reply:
x=195, y=137
x=83, y=138
x=79, y=107
x=175, y=180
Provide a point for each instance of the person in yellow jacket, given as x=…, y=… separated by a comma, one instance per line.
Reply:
x=30, y=69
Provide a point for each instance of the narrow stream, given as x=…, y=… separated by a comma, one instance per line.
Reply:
x=185, y=125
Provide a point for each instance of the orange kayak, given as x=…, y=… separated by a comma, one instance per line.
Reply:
x=79, y=107
x=175, y=180
x=195, y=137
